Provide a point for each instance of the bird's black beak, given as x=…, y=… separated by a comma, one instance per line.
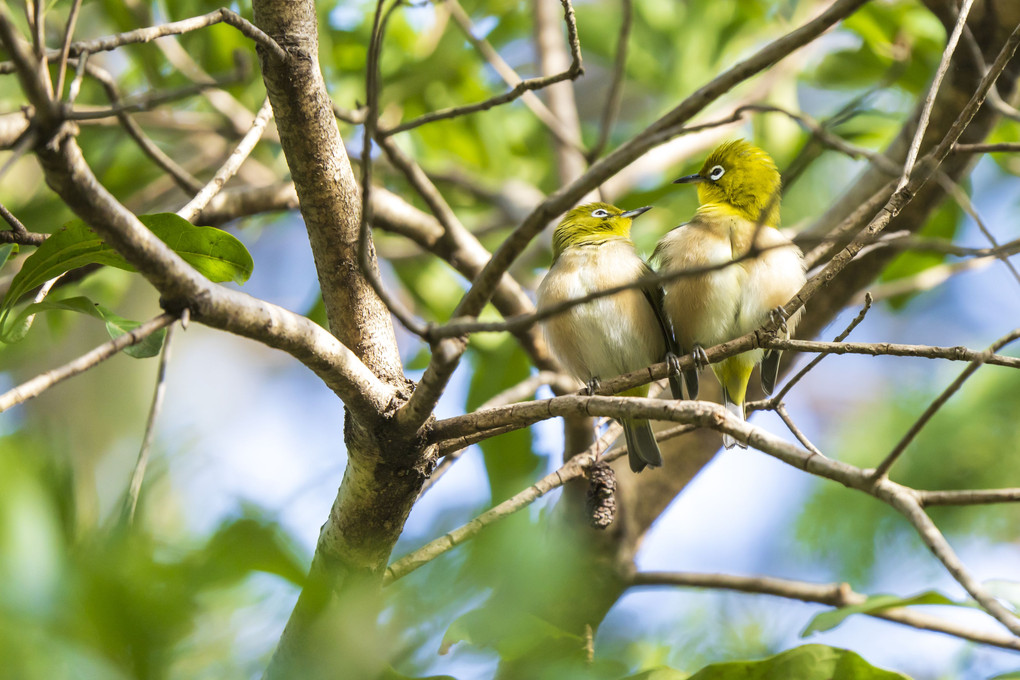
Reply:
x=637, y=211
x=689, y=179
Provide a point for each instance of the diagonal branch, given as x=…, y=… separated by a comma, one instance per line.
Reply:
x=833, y=594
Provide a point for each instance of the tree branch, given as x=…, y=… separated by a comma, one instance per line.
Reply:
x=833, y=594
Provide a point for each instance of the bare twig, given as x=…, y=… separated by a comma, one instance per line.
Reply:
x=144, y=35
x=40, y=383
x=833, y=594
x=522, y=390
x=929, y=99
x=520, y=87
x=883, y=468
x=891, y=349
x=572, y=469
x=184, y=179
x=615, y=94
x=1000, y=147
x=961, y=197
x=778, y=398
x=967, y=497
x=72, y=20
x=365, y=254
x=231, y=165
x=18, y=233
x=138, y=474
x=781, y=411
x=154, y=98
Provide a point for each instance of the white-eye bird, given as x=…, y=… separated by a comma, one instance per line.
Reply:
x=738, y=191
x=624, y=332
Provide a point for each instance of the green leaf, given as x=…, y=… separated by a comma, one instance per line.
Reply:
x=115, y=325
x=6, y=250
x=213, y=252
x=1007, y=676
x=875, y=603
x=808, y=662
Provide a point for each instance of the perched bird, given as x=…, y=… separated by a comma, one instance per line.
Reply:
x=616, y=334
x=738, y=189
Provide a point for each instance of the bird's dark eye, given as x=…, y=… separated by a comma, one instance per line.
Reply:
x=716, y=172
x=599, y=212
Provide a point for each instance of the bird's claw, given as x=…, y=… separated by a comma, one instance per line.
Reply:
x=700, y=357
x=592, y=386
x=673, y=364
x=779, y=317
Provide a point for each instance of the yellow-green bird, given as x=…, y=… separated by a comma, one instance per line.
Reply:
x=592, y=251
x=738, y=189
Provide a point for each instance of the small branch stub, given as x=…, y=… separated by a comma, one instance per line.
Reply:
x=601, y=495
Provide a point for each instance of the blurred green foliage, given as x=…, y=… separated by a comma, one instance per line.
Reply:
x=965, y=446
x=84, y=597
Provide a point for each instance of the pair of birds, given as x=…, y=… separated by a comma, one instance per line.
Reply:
x=729, y=294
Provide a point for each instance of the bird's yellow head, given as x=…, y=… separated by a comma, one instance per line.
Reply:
x=591, y=224
x=742, y=176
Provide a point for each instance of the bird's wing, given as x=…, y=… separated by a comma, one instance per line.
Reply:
x=654, y=294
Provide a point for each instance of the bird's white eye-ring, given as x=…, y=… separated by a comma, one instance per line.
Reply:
x=716, y=172
x=599, y=212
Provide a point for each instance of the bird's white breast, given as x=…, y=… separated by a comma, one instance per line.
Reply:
x=608, y=336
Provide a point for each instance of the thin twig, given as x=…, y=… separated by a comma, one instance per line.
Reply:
x=72, y=20
x=138, y=474
x=231, y=165
x=144, y=35
x=18, y=233
x=522, y=390
x=833, y=594
x=929, y=99
x=154, y=98
x=883, y=468
x=961, y=197
x=781, y=411
x=999, y=147
x=572, y=469
x=519, y=87
x=40, y=383
x=615, y=94
x=967, y=497
x=26, y=142
x=778, y=398
x=365, y=252
x=184, y=179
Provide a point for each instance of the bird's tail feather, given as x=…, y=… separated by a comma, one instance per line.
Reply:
x=642, y=449
x=733, y=374
x=737, y=409
x=770, y=370
x=691, y=379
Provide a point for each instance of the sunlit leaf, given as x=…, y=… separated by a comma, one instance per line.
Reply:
x=213, y=252
x=875, y=603
x=115, y=325
x=809, y=662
